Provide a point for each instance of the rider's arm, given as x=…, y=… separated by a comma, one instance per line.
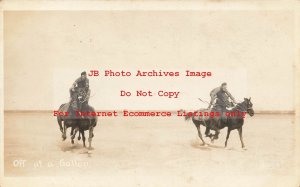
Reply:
x=231, y=97
x=87, y=83
x=212, y=99
x=75, y=83
x=213, y=95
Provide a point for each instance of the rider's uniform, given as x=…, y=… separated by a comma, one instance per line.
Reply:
x=81, y=83
x=222, y=102
x=222, y=96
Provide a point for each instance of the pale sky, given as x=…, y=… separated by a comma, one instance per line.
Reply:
x=44, y=52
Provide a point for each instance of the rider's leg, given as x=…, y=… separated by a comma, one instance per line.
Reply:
x=216, y=123
x=223, y=116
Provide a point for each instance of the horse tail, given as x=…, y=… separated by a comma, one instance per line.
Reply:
x=187, y=118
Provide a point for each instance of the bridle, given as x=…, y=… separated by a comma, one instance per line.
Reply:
x=244, y=107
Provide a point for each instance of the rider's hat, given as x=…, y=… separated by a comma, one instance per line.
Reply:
x=224, y=83
x=83, y=73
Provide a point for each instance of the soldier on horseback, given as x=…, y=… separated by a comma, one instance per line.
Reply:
x=81, y=82
x=79, y=94
x=221, y=95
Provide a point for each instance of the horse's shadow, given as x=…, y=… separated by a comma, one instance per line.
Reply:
x=209, y=147
x=197, y=145
x=75, y=148
x=72, y=148
x=216, y=146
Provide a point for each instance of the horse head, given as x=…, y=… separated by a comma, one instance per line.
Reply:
x=249, y=106
x=81, y=94
x=80, y=97
x=246, y=106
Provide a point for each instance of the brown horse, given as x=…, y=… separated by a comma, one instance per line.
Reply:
x=232, y=122
x=77, y=123
x=84, y=124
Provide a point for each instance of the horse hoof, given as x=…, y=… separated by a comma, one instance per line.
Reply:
x=72, y=141
x=90, y=148
x=203, y=144
x=79, y=138
x=244, y=148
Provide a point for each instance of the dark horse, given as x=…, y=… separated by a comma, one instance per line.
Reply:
x=77, y=123
x=231, y=122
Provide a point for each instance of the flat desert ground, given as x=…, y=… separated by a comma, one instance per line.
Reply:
x=157, y=151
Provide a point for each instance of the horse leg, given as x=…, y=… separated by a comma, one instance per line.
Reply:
x=83, y=138
x=200, y=135
x=241, y=136
x=217, y=130
x=90, y=136
x=74, y=134
x=227, y=136
x=92, y=122
x=216, y=135
x=213, y=126
x=64, y=134
x=72, y=131
x=59, y=120
x=79, y=136
x=207, y=132
x=210, y=125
